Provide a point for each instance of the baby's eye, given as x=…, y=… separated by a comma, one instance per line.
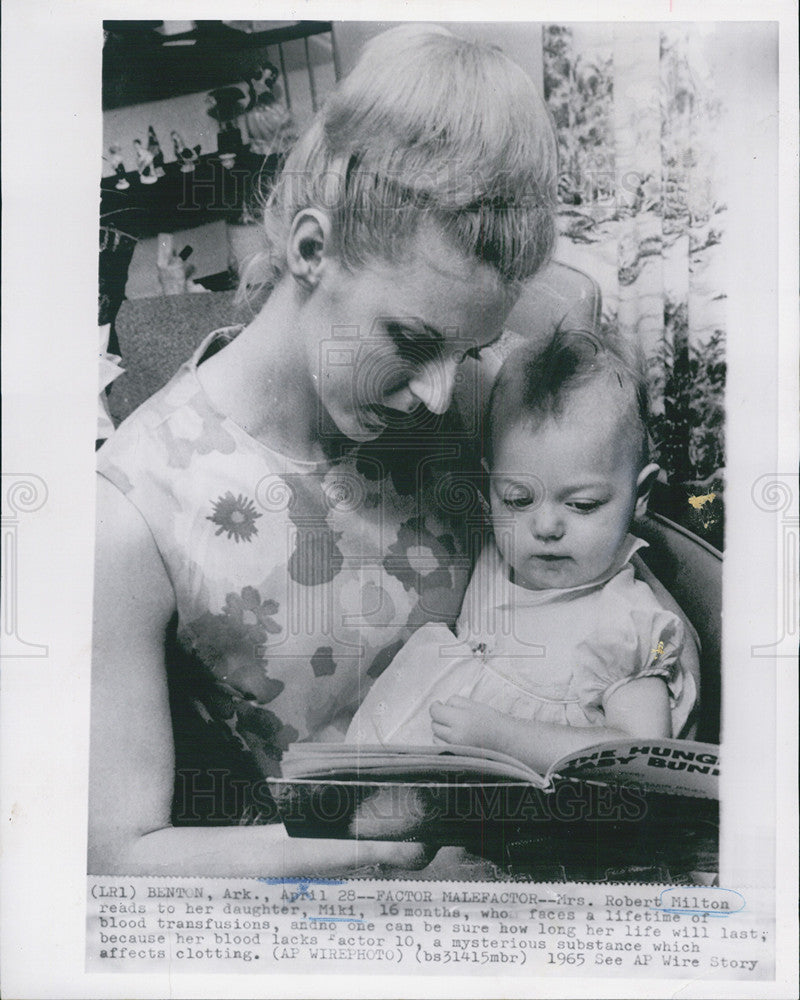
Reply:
x=517, y=498
x=584, y=506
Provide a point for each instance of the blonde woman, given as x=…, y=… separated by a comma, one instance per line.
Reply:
x=268, y=535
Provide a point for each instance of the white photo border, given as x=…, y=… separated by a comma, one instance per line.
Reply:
x=50, y=156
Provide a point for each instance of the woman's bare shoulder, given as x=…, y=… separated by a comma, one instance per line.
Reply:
x=128, y=566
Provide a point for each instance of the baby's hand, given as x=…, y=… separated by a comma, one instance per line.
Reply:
x=465, y=722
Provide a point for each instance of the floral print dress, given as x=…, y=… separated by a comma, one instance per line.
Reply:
x=295, y=582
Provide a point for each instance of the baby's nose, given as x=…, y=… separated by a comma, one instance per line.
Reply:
x=547, y=523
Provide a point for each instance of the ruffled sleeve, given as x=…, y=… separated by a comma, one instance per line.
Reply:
x=634, y=637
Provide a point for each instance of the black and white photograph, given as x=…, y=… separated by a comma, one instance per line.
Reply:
x=332, y=526
x=434, y=422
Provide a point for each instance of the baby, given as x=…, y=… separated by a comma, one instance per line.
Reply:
x=557, y=646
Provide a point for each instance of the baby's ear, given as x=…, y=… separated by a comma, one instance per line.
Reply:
x=644, y=484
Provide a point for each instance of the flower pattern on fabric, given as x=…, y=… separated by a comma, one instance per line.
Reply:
x=257, y=729
x=233, y=643
x=211, y=437
x=236, y=515
x=316, y=558
x=384, y=658
x=419, y=559
x=249, y=606
x=322, y=662
x=287, y=631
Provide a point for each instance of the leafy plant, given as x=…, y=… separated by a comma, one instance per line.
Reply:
x=687, y=383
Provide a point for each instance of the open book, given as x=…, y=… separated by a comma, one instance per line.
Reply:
x=451, y=793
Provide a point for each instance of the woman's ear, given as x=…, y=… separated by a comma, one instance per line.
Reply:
x=644, y=484
x=309, y=247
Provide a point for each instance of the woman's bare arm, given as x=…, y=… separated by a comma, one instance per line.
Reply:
x=132, y=751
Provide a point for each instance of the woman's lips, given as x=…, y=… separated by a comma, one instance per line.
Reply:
x=378, y=418
x=373, y=423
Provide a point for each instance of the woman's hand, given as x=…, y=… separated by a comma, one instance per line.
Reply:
x=394, y=857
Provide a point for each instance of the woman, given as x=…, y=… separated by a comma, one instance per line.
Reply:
x=269, y=529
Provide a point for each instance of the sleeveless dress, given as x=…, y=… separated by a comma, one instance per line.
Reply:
x=296, y=582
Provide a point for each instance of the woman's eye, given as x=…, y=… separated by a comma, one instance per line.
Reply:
x=473, y=352
x=398, y=332
x=411, y=346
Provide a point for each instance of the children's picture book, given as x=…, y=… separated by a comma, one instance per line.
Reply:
x=453, y=794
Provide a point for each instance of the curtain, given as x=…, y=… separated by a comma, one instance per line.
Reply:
x=639, y=124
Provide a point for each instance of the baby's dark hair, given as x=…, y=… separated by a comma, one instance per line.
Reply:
x=537, y=381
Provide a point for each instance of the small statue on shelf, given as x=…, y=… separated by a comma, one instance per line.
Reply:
x=185, y=155
x=229, y=143
x=144, y=163
x=115, y=159
x=270, y=123
x=154, y=147
x=225, y=106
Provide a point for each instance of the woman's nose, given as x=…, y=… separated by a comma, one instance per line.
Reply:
x=433, y=384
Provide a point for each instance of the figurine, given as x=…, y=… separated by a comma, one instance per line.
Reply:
x=144, y=163
x=264, y=87
x=225, y=106
x=226, y=103
x=185, y=156
x=155, y=148
x=115, y=159
x=229, y=142
x=270, y=123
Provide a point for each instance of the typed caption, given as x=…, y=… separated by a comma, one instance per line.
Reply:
x=293, y=925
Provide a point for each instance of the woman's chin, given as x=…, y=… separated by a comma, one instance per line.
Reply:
x=363, y=433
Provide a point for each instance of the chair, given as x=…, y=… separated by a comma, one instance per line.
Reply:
x=691, y=570
x=558, y=297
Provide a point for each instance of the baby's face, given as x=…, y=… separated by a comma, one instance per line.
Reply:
x=563, y=495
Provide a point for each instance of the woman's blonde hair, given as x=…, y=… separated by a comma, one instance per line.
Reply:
x=427, y=125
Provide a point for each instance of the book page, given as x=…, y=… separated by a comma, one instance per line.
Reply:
x=307, y=759
x=677, y=131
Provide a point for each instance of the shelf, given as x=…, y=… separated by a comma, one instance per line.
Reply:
x=209, y=193
x=141, y=65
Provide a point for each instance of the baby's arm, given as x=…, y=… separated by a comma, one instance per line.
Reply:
x=639, y=708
